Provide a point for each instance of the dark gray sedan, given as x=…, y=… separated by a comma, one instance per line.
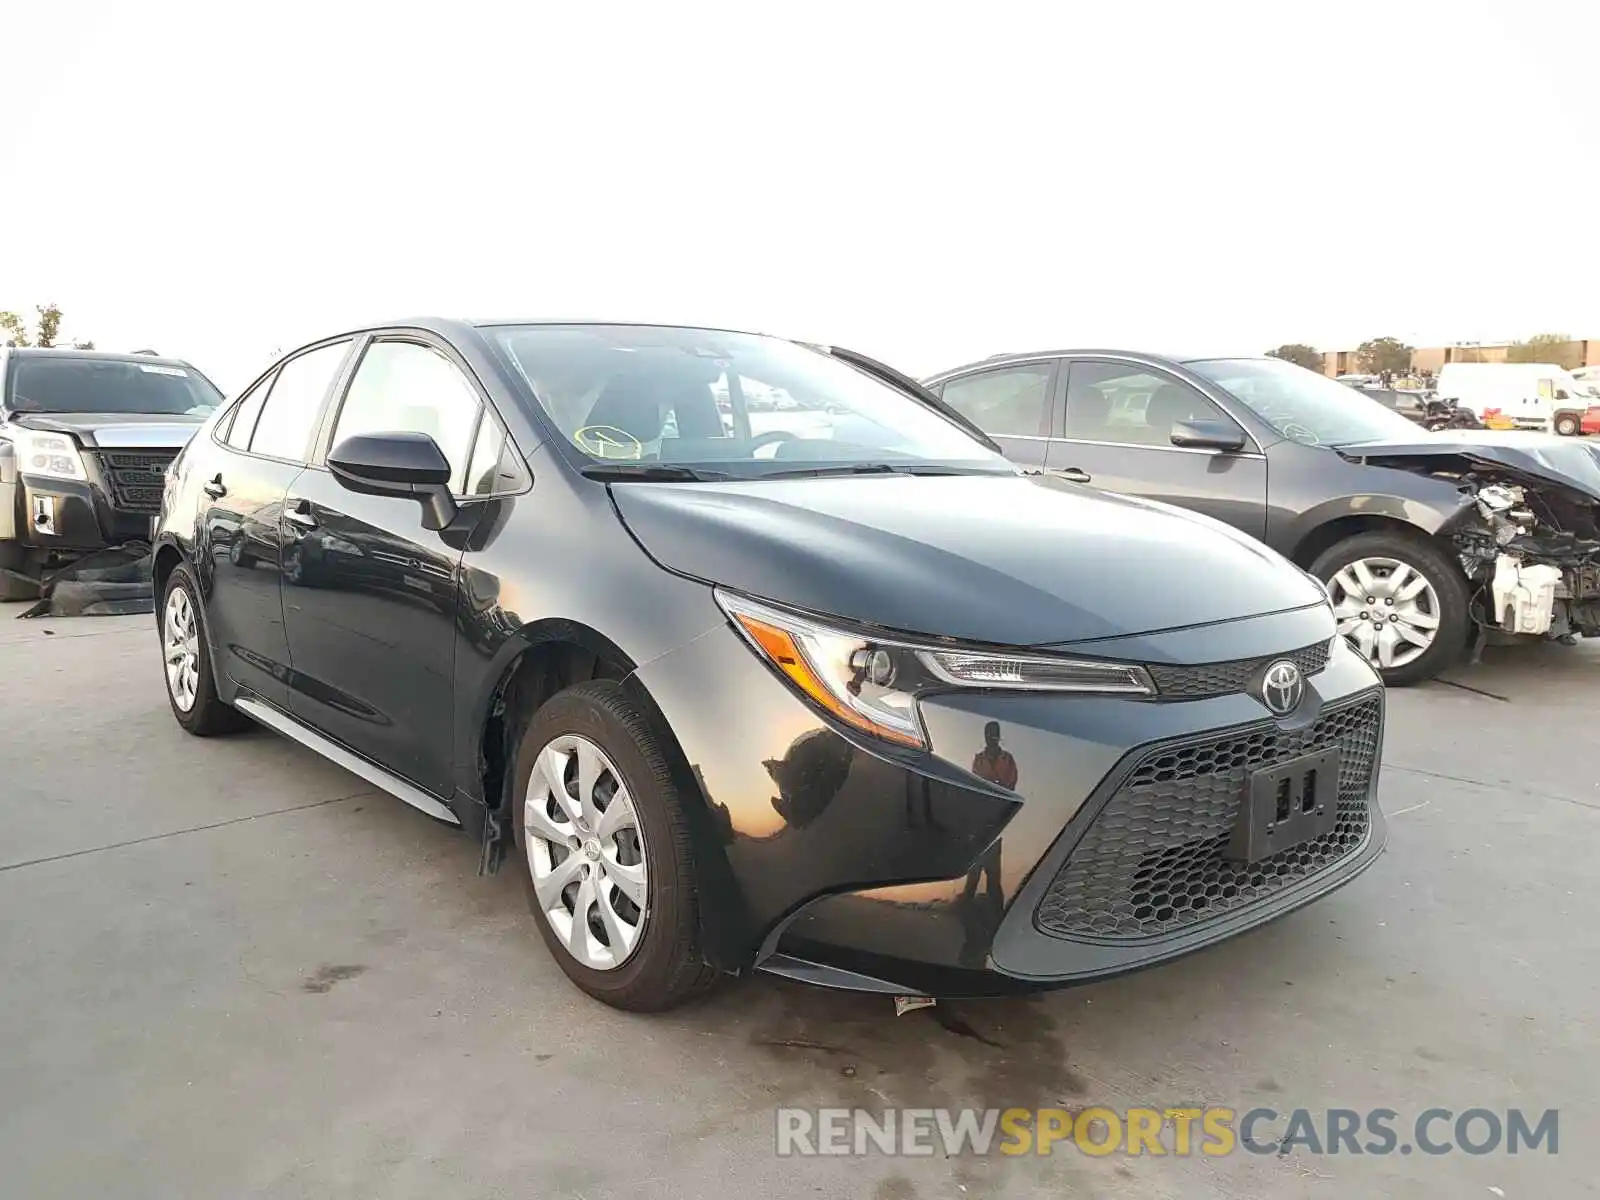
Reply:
x=1428, y=543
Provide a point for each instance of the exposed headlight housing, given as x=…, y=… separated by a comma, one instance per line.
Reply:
x=51, y=455
x=873, y=684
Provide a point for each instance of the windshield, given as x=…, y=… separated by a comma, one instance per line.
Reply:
x=1304, y=406
x=41, y=384
x=738, y=405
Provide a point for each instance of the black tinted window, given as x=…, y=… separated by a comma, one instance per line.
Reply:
x=1012, y=400
x=284, y=428
x=48, y=384
x=1120, y=402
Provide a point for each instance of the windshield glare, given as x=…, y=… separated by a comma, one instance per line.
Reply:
x=98, y=385
x=734, y=403
x=1302, y=405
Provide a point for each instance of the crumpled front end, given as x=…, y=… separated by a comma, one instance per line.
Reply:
x=1532, y=550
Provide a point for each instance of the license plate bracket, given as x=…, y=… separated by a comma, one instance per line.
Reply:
x=1285, y=805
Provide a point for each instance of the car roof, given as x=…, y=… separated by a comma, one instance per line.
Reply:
x=59, y=352
x=1157, y=359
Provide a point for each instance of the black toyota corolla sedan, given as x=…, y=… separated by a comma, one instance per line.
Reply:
x=755, y=655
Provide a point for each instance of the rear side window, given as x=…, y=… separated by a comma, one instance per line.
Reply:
x=1012, y=401
x=283, y=430
x=241, y=423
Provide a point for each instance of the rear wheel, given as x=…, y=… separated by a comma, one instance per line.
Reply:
x=607, y=850
x=1400, y=602
x=186, y=661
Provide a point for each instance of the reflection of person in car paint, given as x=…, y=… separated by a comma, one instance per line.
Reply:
x=993, y=763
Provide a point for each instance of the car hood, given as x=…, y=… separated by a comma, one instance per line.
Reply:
x=1002, y=559
x=115, y=431
x=1571, y=462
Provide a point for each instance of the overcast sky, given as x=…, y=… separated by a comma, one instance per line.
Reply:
x=927, y=188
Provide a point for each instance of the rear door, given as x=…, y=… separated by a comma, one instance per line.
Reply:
x=1012, y=404
x=1116, y=433
x=370, y=595
x=262, y=449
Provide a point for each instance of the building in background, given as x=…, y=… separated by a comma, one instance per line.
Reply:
x=1585, y=353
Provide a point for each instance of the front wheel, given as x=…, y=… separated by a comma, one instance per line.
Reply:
x=1400, y=602
x=605, y=840
x=1568, y=424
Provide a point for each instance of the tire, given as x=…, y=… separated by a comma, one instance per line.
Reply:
x=663, y=966
x=1568, y=424
x=1450, y=596
x=16, y=581
x=205, y=715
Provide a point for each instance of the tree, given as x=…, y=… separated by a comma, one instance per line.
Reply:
x=1300, y=354
x=1384, y=355
x=46, y=330
x=1555, y=348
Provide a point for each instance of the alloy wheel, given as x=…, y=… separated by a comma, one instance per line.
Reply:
x=181, y=644
x=1386, y=609
x=586, y=852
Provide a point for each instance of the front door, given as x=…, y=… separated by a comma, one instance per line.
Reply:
x=1118, y=436
x=369, y=596
x=1012, y=404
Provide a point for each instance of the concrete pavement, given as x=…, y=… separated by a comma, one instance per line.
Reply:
x=230, y=969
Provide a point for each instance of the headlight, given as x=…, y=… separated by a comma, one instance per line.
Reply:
x=873, y=684
x=53, y=455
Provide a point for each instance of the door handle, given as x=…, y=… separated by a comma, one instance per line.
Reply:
x=1073, y=475
x=299, y=513
x=214, y=488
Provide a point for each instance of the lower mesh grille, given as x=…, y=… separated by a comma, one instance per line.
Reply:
x=1152, y=861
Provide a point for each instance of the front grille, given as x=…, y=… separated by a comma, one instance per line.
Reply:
x=1227, y=678
x=133, y=478
x=1152, y=861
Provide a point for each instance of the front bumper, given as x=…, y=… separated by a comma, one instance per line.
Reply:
x=847, y=862
x=67, y=518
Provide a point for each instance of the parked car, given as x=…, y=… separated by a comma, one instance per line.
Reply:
x=866, y=707
x=85, y=438
x=1427, y=542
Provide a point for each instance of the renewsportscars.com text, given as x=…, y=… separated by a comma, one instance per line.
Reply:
x=1181, y=1132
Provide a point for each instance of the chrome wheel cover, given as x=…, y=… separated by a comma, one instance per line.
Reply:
x=180, y=643
x=1386, y=609
x=586, y=852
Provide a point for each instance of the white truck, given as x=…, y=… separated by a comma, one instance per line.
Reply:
x=1540, y=396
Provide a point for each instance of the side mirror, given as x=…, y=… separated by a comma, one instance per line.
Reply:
x=397, y=464
x=1208, y=435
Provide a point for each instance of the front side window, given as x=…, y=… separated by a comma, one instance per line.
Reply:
x=1302, y=405
x=283, y=430
x=407, y=387
x=1130, y=405
x=739, y=404
x=48, y=383
x=1011, y=401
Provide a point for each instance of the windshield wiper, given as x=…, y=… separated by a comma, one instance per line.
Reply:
x=872, y=468
x=650, y=472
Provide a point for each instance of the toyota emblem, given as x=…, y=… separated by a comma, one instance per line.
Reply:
x=1282, y=686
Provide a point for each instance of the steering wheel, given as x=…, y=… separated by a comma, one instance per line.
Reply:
x=771, y=438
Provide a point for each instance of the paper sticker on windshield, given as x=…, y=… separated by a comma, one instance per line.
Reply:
x=607, y=441
x=152, y=369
